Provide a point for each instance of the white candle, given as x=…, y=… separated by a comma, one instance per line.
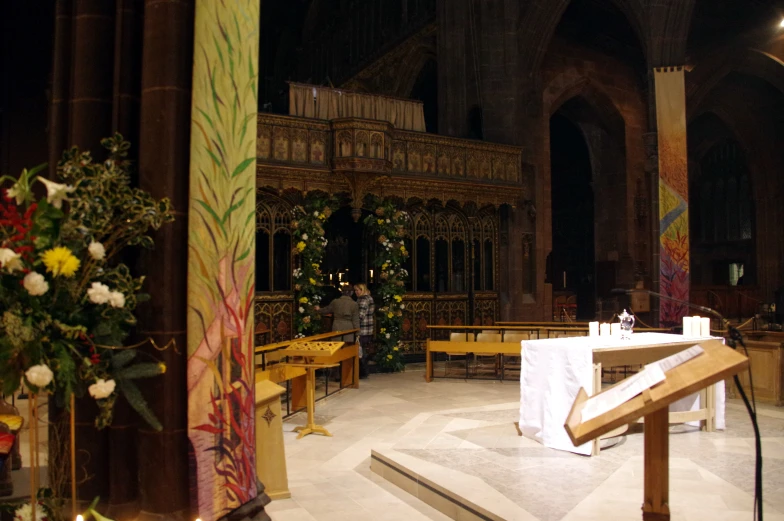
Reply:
x=705, y=326
x=695, y=326
x=615, y=329
x=687, y=326
x=593, y=328
x=604, y=329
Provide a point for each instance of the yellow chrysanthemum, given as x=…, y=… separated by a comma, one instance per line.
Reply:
x=398, y=298
x=380, y=221
x=60, y=261
x=389, y=357
x=315, y=266
x=395, y=349
x=384, y=266
x=312, y=280
x=383, y=330
x=390, y=314
x=162, y=367
x=303, y=300
x=300, y=245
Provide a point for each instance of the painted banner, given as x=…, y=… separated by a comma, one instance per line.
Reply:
x=673, y=193
x=221, y=253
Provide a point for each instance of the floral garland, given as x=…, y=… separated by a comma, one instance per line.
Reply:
x=307, y=232
x=389, y=225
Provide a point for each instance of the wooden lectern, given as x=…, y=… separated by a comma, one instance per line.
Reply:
x=716, y=363
x=307, y=355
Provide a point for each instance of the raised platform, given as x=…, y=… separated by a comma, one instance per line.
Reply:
x=471, y=464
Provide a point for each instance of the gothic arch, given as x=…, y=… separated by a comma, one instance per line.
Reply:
x=714, y=68
x=544, y=17
x=567, y=86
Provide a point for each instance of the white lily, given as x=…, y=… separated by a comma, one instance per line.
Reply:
x=56, y=192
x=10, y=260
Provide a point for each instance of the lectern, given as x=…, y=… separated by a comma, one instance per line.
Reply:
x=307, y=354
x=713, y=363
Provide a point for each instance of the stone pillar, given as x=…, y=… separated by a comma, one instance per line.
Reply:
x=673, y=189
x=163, y=171
x=91, y=84
x=454, y=56
x=127, y=70
x=221, y=261
x=61, y=83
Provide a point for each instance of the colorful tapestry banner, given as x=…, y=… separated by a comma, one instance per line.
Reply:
x=673, y=193
x=221, y=253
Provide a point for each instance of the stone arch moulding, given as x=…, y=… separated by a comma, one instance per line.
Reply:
x=711, y=70
x=545, y=16
x=575, y=85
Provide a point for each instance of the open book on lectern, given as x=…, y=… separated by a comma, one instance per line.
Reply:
x=658, y=385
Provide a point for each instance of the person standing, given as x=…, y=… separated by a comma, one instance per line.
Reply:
x=345, y=312
x=367, y=325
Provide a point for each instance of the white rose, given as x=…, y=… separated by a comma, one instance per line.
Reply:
x=315, y=214
x=102, y=389
x=388, y=335
x=402, y=306
x=10, y=260
x=116, y=299
x=56, y=192
x=301, y=309
x=96, y=250
x=35, y=284
x=98, y=293
x=39, y=375
x=304, y=236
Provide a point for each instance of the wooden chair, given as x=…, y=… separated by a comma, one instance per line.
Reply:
x=458, y=337
x=479, y=357
x=512, y=359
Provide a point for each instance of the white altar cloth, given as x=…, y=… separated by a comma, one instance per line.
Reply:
x=553, y=371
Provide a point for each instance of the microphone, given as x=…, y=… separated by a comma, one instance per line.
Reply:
x=621, y=291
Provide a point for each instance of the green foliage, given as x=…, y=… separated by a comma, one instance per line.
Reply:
x=307, y=233
x=388, y=224
x=68, y=303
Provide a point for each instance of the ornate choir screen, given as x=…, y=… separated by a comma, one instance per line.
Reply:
x=454, y=190
x=442, y=241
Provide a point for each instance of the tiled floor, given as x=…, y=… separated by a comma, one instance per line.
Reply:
x=463, y=431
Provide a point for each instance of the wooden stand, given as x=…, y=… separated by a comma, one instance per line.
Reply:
x=311, y=352
x=270, y=451
x=717, y=363
x=310, y=392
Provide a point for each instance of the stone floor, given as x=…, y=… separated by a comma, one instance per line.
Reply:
x=463, y=430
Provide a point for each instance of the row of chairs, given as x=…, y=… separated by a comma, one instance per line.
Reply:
x=502, y=361
x=496, y=361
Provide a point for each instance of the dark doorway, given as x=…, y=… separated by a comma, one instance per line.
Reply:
x=573, y=257
x=345, y=254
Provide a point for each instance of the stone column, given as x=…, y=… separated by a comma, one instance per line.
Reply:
x=91, y=84
x=453, y=58
x=61, y=83
x=673, y=189
x=164, y=146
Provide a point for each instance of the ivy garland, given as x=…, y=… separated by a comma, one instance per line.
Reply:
x=389, y=225
x=307, y=231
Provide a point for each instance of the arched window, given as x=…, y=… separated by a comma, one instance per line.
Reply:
x=273, y=245
x=722, y=209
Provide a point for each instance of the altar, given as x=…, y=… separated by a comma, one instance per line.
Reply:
x=554, y=370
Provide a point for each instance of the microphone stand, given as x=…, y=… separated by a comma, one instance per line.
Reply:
x=734, y=339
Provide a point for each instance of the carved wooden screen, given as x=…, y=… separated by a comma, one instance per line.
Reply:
x=274, y=300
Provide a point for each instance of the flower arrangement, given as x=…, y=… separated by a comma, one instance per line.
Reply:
x=389, y=225
x=307, y=231
x=67, y=300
